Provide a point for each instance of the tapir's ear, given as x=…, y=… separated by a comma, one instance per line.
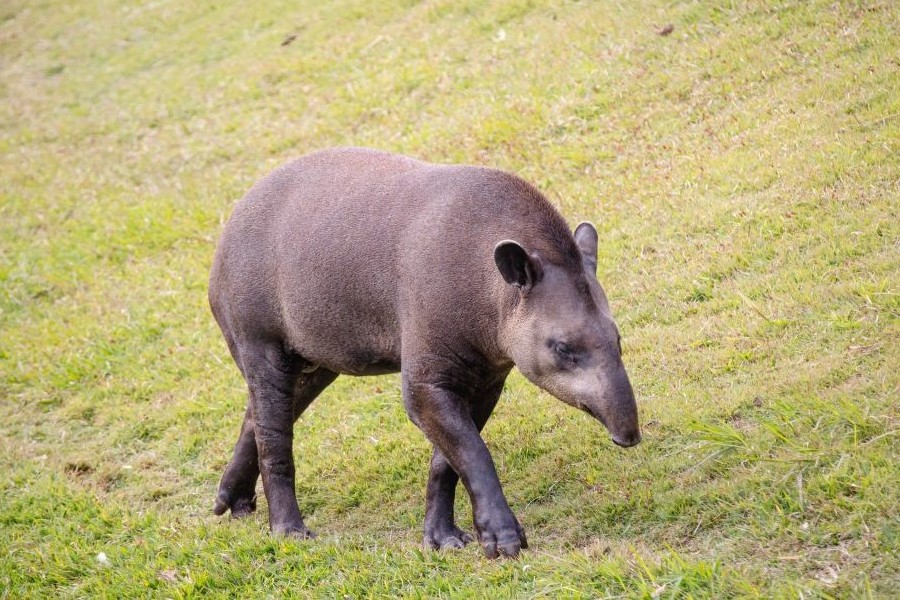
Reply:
x=586, y=239
x=518, y=267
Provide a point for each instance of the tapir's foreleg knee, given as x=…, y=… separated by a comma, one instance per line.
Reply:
x=440, y=527
x=447, y=421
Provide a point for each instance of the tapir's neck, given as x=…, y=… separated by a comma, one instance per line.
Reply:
x=509, y=321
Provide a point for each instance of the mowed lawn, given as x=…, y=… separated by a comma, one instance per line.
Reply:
x=743, y=170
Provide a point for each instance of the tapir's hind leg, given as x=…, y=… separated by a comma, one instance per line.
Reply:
x=237, y=490
x=440, y=528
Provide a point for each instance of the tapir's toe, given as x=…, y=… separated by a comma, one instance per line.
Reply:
x=239, y=506
x=450, y=539
x=298, y=532
x=219, y=508
x=507, y=547
x=451, y=543
x=506, y=543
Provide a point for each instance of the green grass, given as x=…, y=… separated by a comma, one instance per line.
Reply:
x=744, y=173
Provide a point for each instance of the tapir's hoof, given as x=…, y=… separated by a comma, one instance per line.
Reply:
x=448, y=539
x=240, y=507
x=297, y=532
x=506, y=543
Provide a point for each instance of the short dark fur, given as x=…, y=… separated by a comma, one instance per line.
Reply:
x=354, y=261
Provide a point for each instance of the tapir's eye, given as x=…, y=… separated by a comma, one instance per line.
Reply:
x=564, y=351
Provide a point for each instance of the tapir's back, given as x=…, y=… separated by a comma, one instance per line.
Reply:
x=323, y=252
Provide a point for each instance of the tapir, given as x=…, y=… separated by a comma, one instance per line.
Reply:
x=361, y=262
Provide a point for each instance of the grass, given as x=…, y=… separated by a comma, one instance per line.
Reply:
x=744, y=173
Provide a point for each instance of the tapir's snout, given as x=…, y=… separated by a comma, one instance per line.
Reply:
x=626, y=428
x=629, y=440
x=618, y=412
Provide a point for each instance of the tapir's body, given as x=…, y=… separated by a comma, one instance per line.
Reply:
x=359, y=262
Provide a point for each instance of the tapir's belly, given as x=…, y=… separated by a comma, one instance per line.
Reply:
x=345, y=343
x=341, y=313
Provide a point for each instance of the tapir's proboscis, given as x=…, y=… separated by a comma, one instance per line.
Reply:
x=360, y=262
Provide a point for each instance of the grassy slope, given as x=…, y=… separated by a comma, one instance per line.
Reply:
x=743, y=172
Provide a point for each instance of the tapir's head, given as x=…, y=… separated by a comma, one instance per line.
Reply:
x=561, y=334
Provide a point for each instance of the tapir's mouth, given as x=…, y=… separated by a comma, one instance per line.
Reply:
x=627, y=442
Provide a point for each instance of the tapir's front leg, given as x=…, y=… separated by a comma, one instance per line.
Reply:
x=440, y=527
x=445, y=419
